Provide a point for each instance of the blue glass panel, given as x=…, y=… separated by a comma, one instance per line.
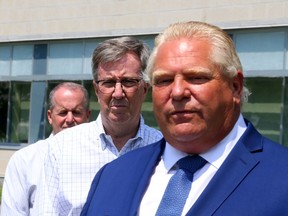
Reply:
x=5, y=57
x=89, y=48
x=261, y=50
x=40, y=59
x=65, y=58
x=37, y=111
x=22, y=60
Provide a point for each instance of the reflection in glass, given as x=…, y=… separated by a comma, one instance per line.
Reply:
x=264, y=107
x=4, y=95
x=20, y=104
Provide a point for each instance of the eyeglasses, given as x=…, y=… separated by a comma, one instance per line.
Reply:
x=128, y=85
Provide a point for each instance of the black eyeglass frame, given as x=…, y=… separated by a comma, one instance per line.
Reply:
x=134, y=82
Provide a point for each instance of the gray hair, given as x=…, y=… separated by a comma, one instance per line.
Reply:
x=112, y=50
x=223, y=52
x=71, y=86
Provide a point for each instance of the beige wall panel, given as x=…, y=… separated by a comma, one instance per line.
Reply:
x=53, y=19
x=4, y=158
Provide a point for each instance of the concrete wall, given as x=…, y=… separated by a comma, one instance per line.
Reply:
x=54, y=19
x=4, y=158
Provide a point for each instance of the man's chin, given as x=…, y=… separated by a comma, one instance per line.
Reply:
x=185, y=129
x=120, y=119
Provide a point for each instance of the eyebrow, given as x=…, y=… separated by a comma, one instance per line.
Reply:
x=158, y=73
x=199, y=70
x=121, y=78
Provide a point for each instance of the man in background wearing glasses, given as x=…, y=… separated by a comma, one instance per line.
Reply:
x=77, y=154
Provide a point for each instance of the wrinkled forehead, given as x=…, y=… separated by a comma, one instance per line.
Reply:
x=129, y=65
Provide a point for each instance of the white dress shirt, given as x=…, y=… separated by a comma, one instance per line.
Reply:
x=74, y=157
x=166, y=168
x=21, y=179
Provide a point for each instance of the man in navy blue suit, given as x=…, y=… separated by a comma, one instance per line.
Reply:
x=198, y=91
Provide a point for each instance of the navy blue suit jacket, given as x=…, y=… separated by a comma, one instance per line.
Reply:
x=253, y=180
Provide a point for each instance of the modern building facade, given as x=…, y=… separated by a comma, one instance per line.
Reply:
x=43, y=43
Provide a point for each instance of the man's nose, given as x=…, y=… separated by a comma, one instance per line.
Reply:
x=69, y=117
x=118, y=91
x=180, y=89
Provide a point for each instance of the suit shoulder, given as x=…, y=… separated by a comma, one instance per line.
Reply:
x=140, y=155
x=274, y=148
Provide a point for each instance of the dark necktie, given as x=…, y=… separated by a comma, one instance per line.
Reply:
x=179, y=186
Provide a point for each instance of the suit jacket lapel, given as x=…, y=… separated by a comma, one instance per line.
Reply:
x=144, y=173
x=234, y=169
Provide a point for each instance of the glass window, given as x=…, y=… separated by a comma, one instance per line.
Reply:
x=286, y=62
x=5, y=57
x=37, y=110
x=22, y=60
x=19, y=112
x=261, y=50
x=264, y=107
x=40, y=59
x=149, y=40
x=89, y=48
x=285, y=113
x=65, y=58
x=4, y=96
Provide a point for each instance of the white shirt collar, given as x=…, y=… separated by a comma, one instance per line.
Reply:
x=107, y=140
x=216, y=155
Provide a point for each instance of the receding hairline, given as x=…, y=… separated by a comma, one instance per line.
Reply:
x=71, y=86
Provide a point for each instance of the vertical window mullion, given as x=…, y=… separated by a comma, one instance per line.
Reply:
x=37, y=115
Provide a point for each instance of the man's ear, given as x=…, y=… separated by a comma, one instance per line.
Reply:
x=95, y=86
x=49, y=113
x=146, y=87
x=238, y=81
